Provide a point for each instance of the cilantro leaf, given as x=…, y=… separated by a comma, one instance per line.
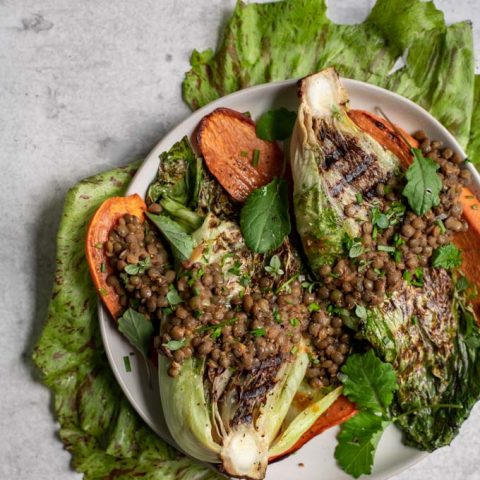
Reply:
x=358, y=441
x=423, y=184
x=447, y=256
x=264, y=219
x=138, y=330
x=369, y=382
x=276, y=124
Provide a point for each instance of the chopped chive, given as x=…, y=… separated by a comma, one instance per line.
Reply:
x=385, y=248
x=103, y=267
x=474, y=207
x=359, y=197
x=102, y=291
x=256, y=157
x=397, y=256
x=244, y=153
x=470, y=197
x=441, y=226
x=258, y=332
x=294, y=322
x=126, y=363
x=294, y=350
x=99, y=245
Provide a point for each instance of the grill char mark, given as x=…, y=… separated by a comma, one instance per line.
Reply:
x=342, y=154
x=253, y=389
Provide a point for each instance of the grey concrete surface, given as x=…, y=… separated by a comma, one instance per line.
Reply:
x=85, y=86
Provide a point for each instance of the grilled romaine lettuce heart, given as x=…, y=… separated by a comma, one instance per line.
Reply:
x=237, y=419
x=332, y=161
x=427, y=333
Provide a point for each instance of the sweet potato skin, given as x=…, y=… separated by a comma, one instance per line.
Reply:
x=98, y=230
x=227, y=140
x=469, y=241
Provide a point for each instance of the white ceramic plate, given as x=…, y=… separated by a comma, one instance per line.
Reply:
x=315, y=459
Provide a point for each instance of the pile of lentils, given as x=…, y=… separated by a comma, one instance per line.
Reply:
x=242, y=332
x=141, y=274
x=396, y=247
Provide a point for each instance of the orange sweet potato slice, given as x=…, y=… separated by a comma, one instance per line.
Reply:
x=340, y=411
x=99, y=228
x=469, y=241
x=236, y=157
x=377, y=128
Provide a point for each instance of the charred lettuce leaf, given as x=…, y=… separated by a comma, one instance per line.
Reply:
x=434, y=346
x=291, y=39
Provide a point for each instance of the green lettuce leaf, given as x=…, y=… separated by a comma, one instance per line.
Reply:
x=290, y=39
x=97, y=424
x=474, y=144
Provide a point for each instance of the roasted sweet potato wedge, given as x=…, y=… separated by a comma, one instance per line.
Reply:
x=236, y=157
x=100, y=226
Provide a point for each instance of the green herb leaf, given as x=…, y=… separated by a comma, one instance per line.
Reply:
x=462, y=284
x=369, y=382
x=357, y=442
x=423, y=184
x=180, y=241
x=314, y=307
x=447, y=256
x=216, y=333
x=379, y=219
x=137, y=329
x=414, y=278
x=358, y=198
x=173, y=345
x=275, y=267
x=173, y=297
x=264, y=219
x=235, y=268
x=276, y=124
x=138, y=268
x=355, y=250
x=361, y=312
x=295, y=322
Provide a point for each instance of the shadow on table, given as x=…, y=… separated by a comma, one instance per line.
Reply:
x=43, y=250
